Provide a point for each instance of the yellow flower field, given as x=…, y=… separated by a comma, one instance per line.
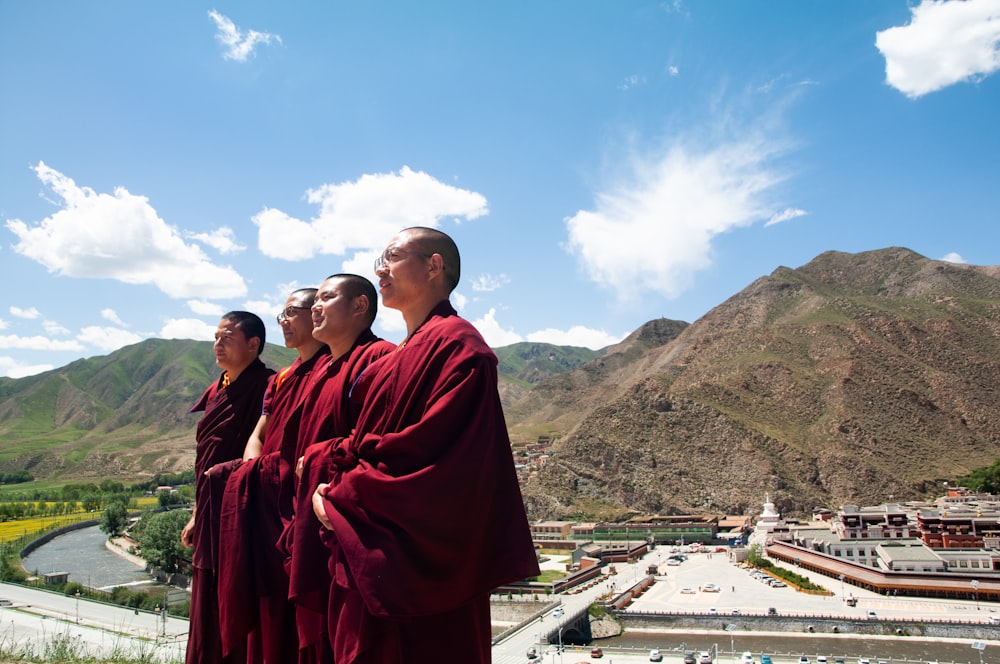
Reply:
x=10, y=530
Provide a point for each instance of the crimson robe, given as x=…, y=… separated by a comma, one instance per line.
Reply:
x=327, y=412
x=231, y=413
x=426, y=511
x=251, y=571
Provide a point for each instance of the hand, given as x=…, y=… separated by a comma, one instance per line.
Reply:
x=300, y=466
x=187, y=533
x=318, y=507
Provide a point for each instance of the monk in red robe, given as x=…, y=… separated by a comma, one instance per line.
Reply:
x=232, y=407
x=346, y=305
x=254, y=610
x=423, y=512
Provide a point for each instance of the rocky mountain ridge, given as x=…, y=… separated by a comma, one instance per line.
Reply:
x=850, y=379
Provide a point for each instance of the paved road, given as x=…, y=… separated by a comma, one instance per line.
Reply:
x=36, y=618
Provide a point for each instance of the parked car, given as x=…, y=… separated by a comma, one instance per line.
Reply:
x=655, y=656
x=803, y=660
x=864, y=660
x=596, y=653
x=704, y=657
x=711, y=588
x=821, y=659
x=771, y=611
x=687, y=591
x=736, y=612
x=747, y=658
x=872, y=615
x=765, y=659
x=532, y=653
x=689, y=658
x=713, y=611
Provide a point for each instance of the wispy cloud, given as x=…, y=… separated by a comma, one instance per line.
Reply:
x=652, y=231
x=785, y=215
x=631, y=81
x=121, y=237
x=487, y=282
x=13, y=369
x=239, y=45
x=28, y=314
x=107, y=338
x=111, y=316
x=944, y=43
x=222, y=240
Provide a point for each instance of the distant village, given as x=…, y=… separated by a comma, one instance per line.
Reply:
x=946, y=548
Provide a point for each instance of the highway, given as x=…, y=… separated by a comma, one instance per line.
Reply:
x=36, y=619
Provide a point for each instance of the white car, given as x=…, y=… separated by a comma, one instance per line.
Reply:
x=704, y=657
x=711, y=588
x=747, y=658
x=687, y=591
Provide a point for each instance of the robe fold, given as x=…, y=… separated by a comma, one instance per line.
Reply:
x=328, y=412
x=251, y=570
x=230, y=415
x=426, y=510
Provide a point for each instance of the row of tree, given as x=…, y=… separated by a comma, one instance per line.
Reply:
x=16, y=477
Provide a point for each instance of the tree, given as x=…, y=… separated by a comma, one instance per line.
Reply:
x=114, y=519
x=160, y=539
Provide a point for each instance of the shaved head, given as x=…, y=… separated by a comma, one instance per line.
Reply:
x=433, y=241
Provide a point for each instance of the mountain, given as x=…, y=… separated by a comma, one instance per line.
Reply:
x=852, y=379
x=121, y=414
x=126, y=414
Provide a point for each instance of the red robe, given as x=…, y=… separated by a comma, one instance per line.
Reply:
x=231, y=413
x=427, y=514
x=250, y=568
x=327, y=412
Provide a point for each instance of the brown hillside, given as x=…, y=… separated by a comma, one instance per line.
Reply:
x=850, y=379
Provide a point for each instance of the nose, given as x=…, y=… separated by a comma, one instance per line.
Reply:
x=381, y=269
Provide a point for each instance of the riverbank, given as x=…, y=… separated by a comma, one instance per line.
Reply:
x=120, y=547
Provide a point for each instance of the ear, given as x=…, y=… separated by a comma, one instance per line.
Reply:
x=254, y=344
x=361, y=304
x=436, y=264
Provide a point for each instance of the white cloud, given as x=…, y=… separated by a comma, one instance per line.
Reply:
x=27, y=314
x=944, y=43
x=239, y=45
x=107, y=338
x=631, y=81
x=222, y=240
x=111, y=316
x=654, y=232
x=188, y=328
x=363, y=215
x=673, y=70
x=785, y=215
x=953, y=257
x=12, y=341
x=487, y=282
x=3, y=324
x=493, y=333
x=53, y=328
x=575, y=336
x=203, y=308
x=119, y=237
x=13, y=369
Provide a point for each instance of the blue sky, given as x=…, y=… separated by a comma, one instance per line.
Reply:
x=600, y=163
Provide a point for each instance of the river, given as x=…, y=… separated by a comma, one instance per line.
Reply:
x=83, y=555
